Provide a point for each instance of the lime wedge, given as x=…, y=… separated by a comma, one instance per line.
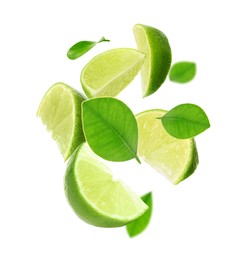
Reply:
x=110, y=72
x=60, y=111
x=155, y=45
x=175, y=158
x=95, y=196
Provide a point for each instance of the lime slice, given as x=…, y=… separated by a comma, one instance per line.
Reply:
x=95, y=196
x=60, y=111
x=155, y=45
x=110, y=72
x=175, y=158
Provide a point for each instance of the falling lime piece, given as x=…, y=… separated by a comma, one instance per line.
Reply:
x=155, y=45
x=110, y=72
x=60, y=111
x=175, y=158
x=95, y=196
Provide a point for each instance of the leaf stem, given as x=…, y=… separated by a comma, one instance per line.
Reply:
x=138, y=160
x=103, y=40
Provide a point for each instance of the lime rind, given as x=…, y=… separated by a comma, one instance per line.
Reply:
x=192, y=164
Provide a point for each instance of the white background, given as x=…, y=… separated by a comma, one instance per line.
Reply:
x=202, y=217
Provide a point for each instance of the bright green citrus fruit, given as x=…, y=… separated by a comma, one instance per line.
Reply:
x=60, y=111
x=155, y=45
x=95, y=196
x=110, y=72
x=175, y=158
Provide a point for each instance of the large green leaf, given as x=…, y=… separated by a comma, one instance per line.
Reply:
x=139, y=225
x=110, y=129
x=185, y=121
x=183, y=72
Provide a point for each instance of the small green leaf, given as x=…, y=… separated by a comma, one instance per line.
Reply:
x=82, y=47
x=110, y=129
x=139, y=225
x=185, y=121
x=183, y=72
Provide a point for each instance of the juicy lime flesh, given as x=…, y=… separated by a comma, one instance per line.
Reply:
x=110, y=202
x=143, y=44
x=57, y=111
x=170, y=156
x=110, y=72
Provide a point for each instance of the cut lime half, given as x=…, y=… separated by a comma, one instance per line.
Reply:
x=110, y=72
x=175, y=158
x=60, y=111
x=95, y=196
x=155, y=45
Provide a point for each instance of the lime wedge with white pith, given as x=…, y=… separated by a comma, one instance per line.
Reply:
x=175, y=158
x=95, y=196
x=60, y=111
x=110, y=72
x=155, y=45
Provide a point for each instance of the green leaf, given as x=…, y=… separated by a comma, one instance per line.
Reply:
x=185, y=121
x=139, y=225
x=82, y=47
x=110, y=129
x=183, y=72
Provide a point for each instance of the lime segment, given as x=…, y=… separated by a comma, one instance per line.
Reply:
x=175, y=158
x=60, y=111
x=155, y=45
x=95, y=196
x=110, y=72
